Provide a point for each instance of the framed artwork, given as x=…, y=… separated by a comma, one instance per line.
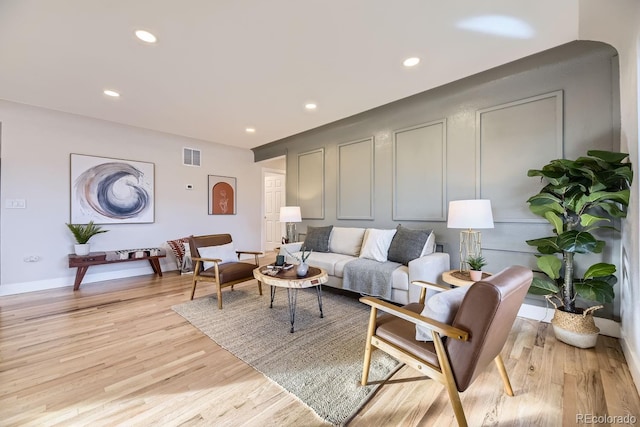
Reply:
x=222, y=195
x=111, y=191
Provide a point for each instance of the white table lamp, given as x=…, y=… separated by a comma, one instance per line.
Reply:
x=290, y=215
x=469, y=214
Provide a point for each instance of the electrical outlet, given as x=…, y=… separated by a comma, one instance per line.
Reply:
x=31, y=258
x=189, y=187
x=15, y=203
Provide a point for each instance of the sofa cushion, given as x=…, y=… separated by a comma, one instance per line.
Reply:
x=224, y=252
x=430, y=245
x=339, y=265
x=346, y=240
x=407, y=244
x=442, y=307
x=327, y=261
x=376, y=244
x=317, y=238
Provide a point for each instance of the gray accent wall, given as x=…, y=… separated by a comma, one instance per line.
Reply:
x=474, y=138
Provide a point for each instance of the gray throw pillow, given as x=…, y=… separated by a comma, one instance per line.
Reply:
x=317, y=238
x=407, y=244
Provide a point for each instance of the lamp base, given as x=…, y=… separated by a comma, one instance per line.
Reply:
x=291, y=232
x=470, y=246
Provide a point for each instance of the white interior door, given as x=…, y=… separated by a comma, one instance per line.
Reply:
x=274, y=198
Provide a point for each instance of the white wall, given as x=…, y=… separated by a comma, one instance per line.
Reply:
x=618, y=24
x=35, y=148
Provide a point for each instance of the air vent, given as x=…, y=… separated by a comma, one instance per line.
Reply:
x=190, y=157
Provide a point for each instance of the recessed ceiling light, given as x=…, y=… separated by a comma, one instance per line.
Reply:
x=250, y=130
x=146, y=36
x=411, y=62
x=310, y=106
x=111, y=93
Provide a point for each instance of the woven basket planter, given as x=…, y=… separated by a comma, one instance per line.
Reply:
x=576, y=329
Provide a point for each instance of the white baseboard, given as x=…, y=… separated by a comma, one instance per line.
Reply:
x=61, y=282
x=607, y=327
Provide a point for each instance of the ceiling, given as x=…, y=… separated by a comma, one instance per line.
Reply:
x=220, y=66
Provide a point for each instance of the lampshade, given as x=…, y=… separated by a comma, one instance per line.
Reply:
x=470, y=214
x=290, y=214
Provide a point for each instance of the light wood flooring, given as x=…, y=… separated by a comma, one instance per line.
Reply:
x=114, y=353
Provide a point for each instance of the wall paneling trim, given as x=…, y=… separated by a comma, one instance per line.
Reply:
x=356, y=180
x=311, y=184
x=512, y=138
x=419, y=172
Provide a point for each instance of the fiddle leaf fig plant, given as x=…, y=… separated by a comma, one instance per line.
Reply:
x=580, y=196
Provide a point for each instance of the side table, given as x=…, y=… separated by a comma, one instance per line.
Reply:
x=460, y=278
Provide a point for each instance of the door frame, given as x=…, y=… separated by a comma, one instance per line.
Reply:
x=265, y=171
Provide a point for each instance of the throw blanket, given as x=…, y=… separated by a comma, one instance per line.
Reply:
x=369, y=277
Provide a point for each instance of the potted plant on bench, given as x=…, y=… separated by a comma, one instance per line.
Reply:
x=82, y=234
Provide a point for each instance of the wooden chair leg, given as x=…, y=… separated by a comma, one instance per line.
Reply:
x=219, y=295
x=504, y=375
x=449, y=381
x=368, y=347
x=193, y=287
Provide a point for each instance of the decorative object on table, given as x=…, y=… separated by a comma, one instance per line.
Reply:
x=82, y=233
x=470, y=214
x=303, y=267
x=580, y=196
x=475, y=264
x=110, y=191
x=222, y=195
x=321, y=363
x=290, y=215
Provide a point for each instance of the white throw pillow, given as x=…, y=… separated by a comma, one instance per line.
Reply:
x=442, y=307
x=430, y=245
x=346, y=240
x=376, y=244
x=224, y=252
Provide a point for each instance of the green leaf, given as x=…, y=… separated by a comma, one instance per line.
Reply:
x=577, y=241
x=587, y=220
x=550, y=265
x=543, y=286
x=608, y=156
x=556, y=221
x=546, y=245
x=600, y=269
x=595, y=290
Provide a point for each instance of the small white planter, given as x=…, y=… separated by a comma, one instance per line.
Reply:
x=82, y=249
x=476, y=275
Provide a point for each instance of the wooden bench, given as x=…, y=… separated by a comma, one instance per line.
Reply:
x=83, y=262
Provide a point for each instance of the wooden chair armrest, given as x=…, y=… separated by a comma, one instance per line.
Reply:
x=216, y=260
x=250, y=252
x=410, y=316
x=429, y=285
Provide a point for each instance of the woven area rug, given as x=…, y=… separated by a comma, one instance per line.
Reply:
x=320, y=363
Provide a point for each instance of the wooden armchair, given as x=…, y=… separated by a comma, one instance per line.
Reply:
x=460, y=351
x=216, y=261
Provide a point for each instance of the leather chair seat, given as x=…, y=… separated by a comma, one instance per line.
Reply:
x=402, y=334
x=230, y=271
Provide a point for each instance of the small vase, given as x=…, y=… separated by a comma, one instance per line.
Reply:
x=476, y=275
x=302, y=269
x=82, y=249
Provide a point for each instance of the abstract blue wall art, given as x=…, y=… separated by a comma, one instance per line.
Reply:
x=111, y=191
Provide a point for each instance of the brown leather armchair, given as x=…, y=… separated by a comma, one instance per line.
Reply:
x=223, y=272
x=460, y=351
